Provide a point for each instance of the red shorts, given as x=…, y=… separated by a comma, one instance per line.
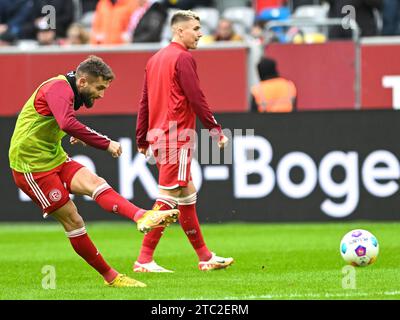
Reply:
x=50, y=190
x=173, y=167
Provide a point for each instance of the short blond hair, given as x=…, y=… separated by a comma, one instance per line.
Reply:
x=184, y=15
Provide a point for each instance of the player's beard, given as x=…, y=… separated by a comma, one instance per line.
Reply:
x=87, y=99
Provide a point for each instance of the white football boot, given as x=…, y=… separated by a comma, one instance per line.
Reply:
x=215, y=263
x=148, y=267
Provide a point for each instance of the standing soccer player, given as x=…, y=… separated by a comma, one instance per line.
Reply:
x=43, y=170
x=171, y=100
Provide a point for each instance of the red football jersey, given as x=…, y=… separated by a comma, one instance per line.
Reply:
x=171, y=99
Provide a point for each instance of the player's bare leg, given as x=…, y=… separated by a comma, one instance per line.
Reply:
x=75, y=230
x=87, y=183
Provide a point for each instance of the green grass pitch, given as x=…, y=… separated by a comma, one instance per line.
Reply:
x=272, y=261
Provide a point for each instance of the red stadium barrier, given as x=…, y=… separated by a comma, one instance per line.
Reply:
x=222, y=72
x=380, y=69
x=324, y=74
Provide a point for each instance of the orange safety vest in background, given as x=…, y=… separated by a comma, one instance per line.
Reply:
x=275, y=95
x=110, y=21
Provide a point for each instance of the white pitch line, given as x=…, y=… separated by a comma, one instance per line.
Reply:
x=315, y=295
x=305, y=296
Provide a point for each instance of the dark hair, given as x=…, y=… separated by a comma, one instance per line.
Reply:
x=8, y=37
x=95, y=67
x=267, y=69
x=184, y=15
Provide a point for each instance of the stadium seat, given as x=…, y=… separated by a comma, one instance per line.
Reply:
x=311, y=34
x=242, y=18
x=209, y=19
x=221, y=5
x=311, y=12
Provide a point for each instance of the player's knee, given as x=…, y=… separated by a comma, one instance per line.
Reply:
x=97, y=184
x=75, y=222
x=176, y=193
x=97, y=181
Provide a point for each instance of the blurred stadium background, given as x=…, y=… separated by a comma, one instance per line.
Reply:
x=333, y=160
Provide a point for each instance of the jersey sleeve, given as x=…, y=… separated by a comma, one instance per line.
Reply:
x=188, y=79
x=60, y=98
x=142, y=121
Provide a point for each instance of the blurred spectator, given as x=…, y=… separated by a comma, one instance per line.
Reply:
x=137, y=14
x=46, y=37
x=7, y=39
x=111, y=21
x=297, y=36
x=364, y=12
x=273, y=93
x=76, y=35
x=224, y=32
x=13, y=14
x=391, y=17
x=38, y=20
x=188, y=4
x=147, y=24
x=257, y=31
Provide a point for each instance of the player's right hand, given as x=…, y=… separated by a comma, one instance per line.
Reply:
x=74, y=140
x=115, y=149
x=144, y=151
x=223, y=141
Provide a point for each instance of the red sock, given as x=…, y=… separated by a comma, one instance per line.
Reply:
x=165, y=203
x=112, y=201
x=151, y=239
x=85, y=248
x=149, y=245
x=190, y=224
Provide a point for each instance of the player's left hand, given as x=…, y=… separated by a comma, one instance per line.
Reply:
x=115, y=149
x=74, y=140
x=223, y=141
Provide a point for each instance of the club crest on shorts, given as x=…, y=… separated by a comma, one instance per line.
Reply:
x=55, y=195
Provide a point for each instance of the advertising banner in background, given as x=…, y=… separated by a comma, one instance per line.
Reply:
x=309, y=166
x=380, y=76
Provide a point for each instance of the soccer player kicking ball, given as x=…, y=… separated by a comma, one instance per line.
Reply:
x=43, y=170
x=170, y=102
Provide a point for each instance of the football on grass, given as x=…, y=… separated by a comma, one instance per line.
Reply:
x=359, y=248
